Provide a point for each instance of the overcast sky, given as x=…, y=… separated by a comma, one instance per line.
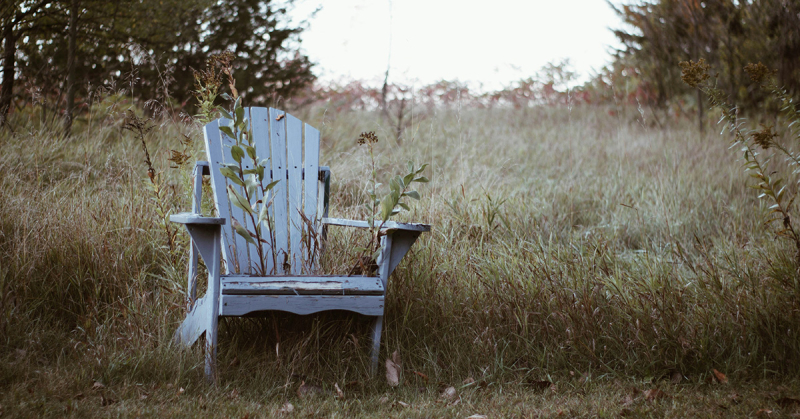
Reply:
x=489, y=43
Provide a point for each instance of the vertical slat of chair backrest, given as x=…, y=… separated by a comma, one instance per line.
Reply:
x=294, y=162
x=260, y=123
x=214, y=153
x=279, y=202
x=311, y=166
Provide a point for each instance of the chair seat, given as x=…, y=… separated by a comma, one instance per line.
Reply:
x=302, y=285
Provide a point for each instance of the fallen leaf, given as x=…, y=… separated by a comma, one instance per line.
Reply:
x=720, y=377
x=396, y=358
x=339, y=392
x=476, y=416
x=384, y=400
x=467, y=381
x=392, y=373
x=449, y=393
x=403, y=404
x=676, y=377
x=143, y=397
x=287, y=408
x=628, y=400
x=763, y=413
x=98, y=385
x=181, y=390
x=655, y=394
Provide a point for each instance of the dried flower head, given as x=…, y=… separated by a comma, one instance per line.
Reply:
x=367, y=138
x=764, y=137
x=758, y=72
x=694, y=73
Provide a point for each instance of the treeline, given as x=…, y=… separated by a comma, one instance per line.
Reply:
x=728, y=34
x=56, y=51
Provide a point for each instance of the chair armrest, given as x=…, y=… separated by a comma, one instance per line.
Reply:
x=389, y=225
x=189, y=218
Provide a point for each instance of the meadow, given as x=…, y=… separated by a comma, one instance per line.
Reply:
x=582, y=262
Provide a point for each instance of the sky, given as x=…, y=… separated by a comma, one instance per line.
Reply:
x=486, y=44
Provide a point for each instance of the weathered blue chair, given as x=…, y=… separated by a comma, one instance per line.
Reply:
x=299, y=210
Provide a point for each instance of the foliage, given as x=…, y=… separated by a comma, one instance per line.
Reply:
x=382, y=209
x=660, y=33
x=776, y=190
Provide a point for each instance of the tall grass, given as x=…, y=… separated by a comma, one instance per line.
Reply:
x=563, y=240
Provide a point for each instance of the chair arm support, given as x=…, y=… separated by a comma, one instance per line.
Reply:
x=388, y=226
x=190, y=218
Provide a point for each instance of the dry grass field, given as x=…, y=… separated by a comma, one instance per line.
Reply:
x=580, y=264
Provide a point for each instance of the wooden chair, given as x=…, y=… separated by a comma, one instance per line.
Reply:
x=299, y=209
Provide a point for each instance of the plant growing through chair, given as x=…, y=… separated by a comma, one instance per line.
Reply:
x=255, y=198
x=382, y=209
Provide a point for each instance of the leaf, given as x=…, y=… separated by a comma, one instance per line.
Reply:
x=403, y=206
x=252, y=184
x=422, y=179
x=264, y=163
x=238, y=200
x=251, y=151
x=449, y=393
x=237, y=153
x=339, y=392
x=392, y=373
x=242, y=231
x=224, y=114
x=655, y=394
x=408, y=179
x=387, y=205
x=720, y=377
x=271, y=185
x=287, y=408
x=421, y=168
x=227, y=131
x=412, y=194
x=230, y=174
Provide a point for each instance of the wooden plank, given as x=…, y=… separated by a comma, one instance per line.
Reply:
x=218, y=184
x=279, y=202
x=390, y=225
x=240, y=305
x=260, y=123
x=311, y=191
x=194, y=324
x=294, y=162
x=238, y=243
x=191, y=218
x=299, y=285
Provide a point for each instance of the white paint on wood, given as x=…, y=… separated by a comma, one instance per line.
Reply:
x=218, y=184
x=260, y=122
x=279, y=201
x=301, y=285
x=294, y=162
x=240, y=305
x=389, y=225
x=311, y=187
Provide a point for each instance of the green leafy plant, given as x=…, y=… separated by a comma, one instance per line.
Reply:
x=254, y=198
x=752, y=143
x=382, y=209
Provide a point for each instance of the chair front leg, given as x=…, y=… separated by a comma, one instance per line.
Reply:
x=208, y=239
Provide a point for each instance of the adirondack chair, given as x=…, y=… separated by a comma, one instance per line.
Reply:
x=299, y=209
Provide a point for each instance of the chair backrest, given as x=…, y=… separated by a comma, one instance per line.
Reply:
x=293, y=152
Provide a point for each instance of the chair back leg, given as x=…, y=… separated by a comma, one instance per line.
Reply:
x=377, y=325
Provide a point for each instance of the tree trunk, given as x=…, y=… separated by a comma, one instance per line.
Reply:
x=71, y=50
x=10, y=50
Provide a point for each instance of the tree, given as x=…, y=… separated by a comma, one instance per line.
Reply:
x=16, y=18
